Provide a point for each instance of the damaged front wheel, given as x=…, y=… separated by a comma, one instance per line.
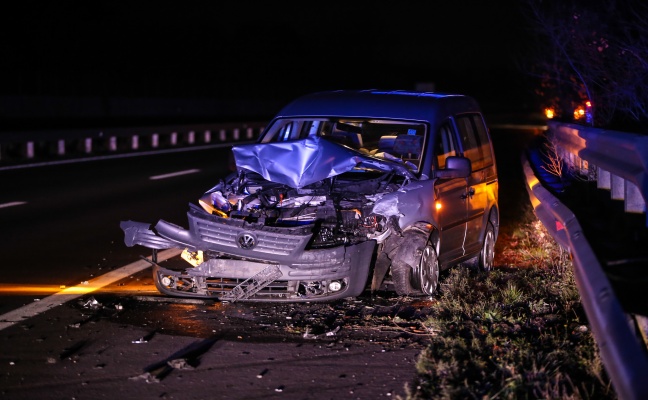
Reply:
x=419, y=276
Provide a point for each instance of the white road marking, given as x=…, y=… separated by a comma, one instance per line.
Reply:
x=12, y=204
x=174, y=174
x=71, y=293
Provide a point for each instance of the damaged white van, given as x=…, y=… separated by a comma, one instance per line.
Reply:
x=342, y=190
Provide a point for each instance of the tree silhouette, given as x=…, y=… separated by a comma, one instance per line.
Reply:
x=596, y=51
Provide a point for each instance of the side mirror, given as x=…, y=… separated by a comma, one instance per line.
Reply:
x=456, y=167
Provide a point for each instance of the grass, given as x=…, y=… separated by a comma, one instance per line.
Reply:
x=518, y=332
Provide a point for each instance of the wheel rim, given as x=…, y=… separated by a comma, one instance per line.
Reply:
x=488, y=252
x=428, y=271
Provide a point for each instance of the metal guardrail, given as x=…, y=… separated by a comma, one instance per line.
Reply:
x=619, y=160
x=29, y=147
x=622, y=351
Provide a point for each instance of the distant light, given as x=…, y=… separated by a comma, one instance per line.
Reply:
x=438, y=205
x=549, y=112
x=588, y=104
x=579, y=113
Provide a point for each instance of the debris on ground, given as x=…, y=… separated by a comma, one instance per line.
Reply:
x=92, y=303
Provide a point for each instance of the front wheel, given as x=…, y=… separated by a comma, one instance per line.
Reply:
x=415, y=269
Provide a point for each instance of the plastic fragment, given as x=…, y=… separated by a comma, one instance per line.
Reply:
x=308, y=335
x=92, y=303
x=333, y=332
x=147, y=377
x=179, y=363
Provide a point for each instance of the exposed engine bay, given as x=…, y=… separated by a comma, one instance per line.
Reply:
x=341, y=207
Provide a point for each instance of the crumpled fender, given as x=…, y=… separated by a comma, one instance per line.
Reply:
x=410, y=204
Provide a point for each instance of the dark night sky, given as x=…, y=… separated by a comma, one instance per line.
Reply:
x=214, y=49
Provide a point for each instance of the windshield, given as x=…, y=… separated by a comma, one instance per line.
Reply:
x=388, y=139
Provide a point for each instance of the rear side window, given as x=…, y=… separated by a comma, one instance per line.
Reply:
x=474, y=140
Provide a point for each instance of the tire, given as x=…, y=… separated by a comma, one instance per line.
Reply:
x=426, y=273
x=487, y=253
x=421, y=278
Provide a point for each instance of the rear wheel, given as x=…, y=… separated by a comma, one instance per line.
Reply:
x=487, y=254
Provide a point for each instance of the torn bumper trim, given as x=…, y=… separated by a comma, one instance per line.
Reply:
x=142, y=234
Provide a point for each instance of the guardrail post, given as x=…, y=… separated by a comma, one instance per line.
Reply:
x=207, y=136
x=60, y=147
x=236, y=134
x=135, y=142
x=191, y=137
x=634, y=202
x=249, y=133
x=618, y=187
x=604, y=181
x=30, y=150
x=112, y=143
x=174, y=138
x=87, y=145
x=222, y=135
x=155, y=140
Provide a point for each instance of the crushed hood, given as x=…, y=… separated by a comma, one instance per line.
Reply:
x=302, y=162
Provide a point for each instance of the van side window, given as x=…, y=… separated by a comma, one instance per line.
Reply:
x=445, y=146
x=474, y=140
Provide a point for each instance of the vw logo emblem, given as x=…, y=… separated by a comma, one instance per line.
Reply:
x=246, y=241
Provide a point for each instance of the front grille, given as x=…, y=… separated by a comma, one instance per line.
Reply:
x=267, y=242
x=225, y=285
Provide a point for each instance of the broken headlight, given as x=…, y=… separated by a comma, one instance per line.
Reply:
x=215, y=203
x=325, y=236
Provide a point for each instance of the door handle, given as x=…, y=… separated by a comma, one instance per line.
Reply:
x=470, y=193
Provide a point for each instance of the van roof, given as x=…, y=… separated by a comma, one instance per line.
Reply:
x=409, y=105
